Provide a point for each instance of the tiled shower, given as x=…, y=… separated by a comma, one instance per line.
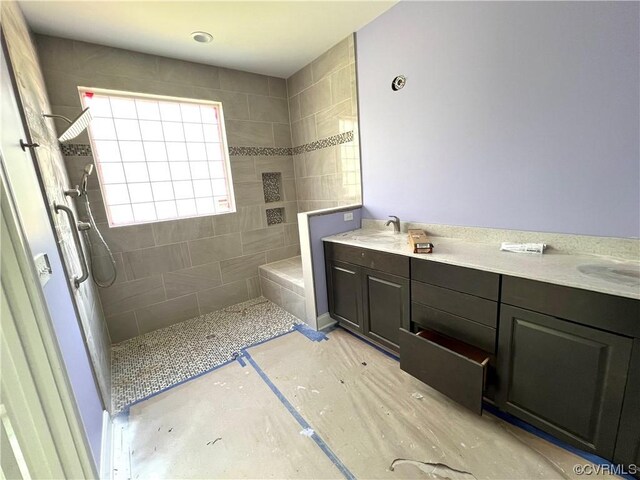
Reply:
x=293, y=146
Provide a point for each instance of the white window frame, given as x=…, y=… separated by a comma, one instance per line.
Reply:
x=162, y=98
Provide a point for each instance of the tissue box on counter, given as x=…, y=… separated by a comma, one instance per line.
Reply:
x=419, y=241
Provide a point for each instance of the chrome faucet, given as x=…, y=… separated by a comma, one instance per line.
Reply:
x=396, y=223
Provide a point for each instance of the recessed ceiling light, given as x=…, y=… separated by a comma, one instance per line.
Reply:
x=202, y=37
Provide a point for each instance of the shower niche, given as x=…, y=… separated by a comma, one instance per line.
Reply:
x=272, y=189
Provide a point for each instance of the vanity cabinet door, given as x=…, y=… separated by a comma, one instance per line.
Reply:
x=386, y=307
x=345, y=293
x=564, y=378
x=628, y=443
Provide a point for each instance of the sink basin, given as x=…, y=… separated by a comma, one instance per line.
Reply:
x=620, y=274
x=386, y=239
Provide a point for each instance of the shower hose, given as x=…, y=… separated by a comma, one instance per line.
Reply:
x=94, y=227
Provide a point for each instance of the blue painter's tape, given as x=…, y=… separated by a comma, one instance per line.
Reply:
x=371, y=344
x=300, y=419
x=240, y=361
x=310, y=333
x=590, y=457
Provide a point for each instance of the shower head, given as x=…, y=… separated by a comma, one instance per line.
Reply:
x=76, y=126
x=88, y=170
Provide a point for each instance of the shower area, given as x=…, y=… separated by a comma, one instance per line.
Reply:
x=162, y=301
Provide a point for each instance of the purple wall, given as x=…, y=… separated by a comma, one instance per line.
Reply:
x=321, y=226
x=518, y=115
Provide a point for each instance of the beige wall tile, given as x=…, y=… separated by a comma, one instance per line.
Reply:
x=243, y=169
x=98, y=59
x=251, y=218
x=299, y=165
x=261, y=240
x=167, y=313
x=127, y=296
x=121, y=239
x=291, y=236
x=102, y=267
x=253, y=287
x=214, y=249
x=299, y=81
x=334, y=58
x=315, y=98
x=53, y=53
x=268, y=109
x=196, y=74
x=122, y=326
x=271, y=290
x=291, y=211
x=62, y=87
x=249, y=194
x=277, y=87
x=341, y=85
x=281, y=135
x=249, y=134
x=175, y=231
x=304, y=131
x=281, y=164
x=155, y=260
x=289, y=188
x=227, y=223
x=223, y=296
x=235, y=105
x=241, y=268
x=194, y=279
x=328, y=122
x=293, y=303
x=321, y=162
x=294, y=108
x=237, y=81
x=282, y=253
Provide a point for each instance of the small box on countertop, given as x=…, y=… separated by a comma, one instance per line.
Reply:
x=419, y=241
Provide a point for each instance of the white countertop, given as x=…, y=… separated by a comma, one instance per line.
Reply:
x=553, y=267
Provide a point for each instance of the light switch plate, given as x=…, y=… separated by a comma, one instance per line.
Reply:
x=43, y=267
x=348, y=216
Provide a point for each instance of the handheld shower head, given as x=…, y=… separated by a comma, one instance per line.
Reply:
x=88, y=170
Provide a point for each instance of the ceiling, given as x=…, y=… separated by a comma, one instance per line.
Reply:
x=268, y=37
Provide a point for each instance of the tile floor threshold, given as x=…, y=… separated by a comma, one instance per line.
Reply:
x=150, y=363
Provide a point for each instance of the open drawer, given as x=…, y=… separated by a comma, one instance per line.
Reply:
x=452, y=367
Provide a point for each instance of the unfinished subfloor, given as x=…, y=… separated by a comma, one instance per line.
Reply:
x=297, y=407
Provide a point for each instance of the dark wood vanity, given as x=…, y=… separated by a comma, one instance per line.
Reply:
x=563, y=359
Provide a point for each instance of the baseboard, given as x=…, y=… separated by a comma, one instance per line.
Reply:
x=106, y=457
x=324, y=322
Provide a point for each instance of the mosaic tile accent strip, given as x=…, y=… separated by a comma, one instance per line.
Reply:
x=339, y=139
x=272, y=187
x=259, y=151
x=157, y=360
x=275, y=216
x=75, y=149
x=84, y=150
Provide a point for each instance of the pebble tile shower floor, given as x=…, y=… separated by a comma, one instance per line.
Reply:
x=152, y=362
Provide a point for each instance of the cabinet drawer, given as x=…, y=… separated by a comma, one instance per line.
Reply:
x=453, y=368
x=474, y=308
x=607, y=312
x=454, y=326
x=385, y=262
x=467, y=280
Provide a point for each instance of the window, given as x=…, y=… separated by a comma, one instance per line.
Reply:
x=158, y=158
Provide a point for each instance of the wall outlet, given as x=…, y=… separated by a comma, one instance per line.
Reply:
x=348, y=216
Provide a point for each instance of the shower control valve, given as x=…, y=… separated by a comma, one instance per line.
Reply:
x=83, y=226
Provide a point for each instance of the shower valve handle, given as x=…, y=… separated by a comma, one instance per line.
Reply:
x=24, y=145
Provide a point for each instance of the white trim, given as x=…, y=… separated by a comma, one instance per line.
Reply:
x=106, y=448
x=325, y=322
